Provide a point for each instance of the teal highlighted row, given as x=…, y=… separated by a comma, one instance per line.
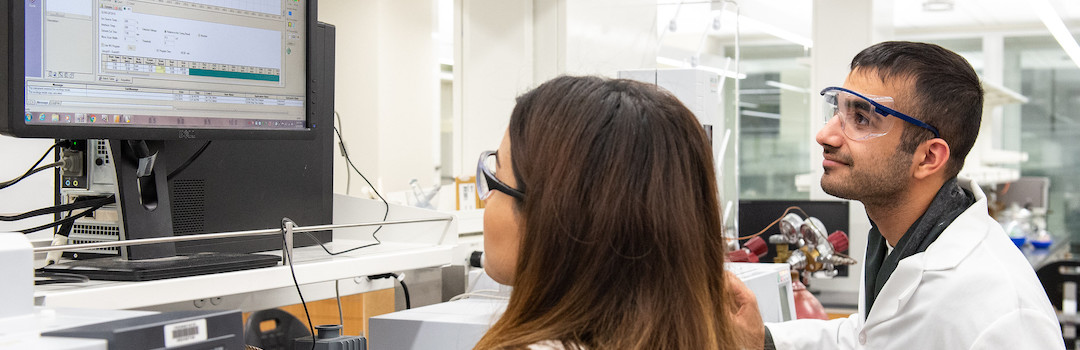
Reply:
x=233, y=75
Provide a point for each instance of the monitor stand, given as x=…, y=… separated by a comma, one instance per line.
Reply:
x=144, y=207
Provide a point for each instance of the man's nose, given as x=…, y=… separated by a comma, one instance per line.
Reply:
x=831, y=134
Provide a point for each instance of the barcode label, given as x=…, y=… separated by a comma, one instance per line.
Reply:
x=184, y=333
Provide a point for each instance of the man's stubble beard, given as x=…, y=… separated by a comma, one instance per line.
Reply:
x=880, y=186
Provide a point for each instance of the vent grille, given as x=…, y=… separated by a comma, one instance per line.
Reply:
x=95, y=233
x=188, y=206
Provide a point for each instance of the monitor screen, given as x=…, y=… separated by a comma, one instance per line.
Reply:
x=163, y=69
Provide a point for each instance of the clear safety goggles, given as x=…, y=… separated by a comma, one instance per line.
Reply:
x=865, y=117
x=487, y=183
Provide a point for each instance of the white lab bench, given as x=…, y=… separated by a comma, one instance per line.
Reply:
x=404, y=247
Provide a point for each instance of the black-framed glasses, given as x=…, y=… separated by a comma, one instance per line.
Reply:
x=866, y=116
x=487, y=183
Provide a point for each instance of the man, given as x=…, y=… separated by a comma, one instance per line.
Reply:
x=939, y=272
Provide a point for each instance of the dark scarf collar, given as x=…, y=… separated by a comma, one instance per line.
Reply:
x=950, y=201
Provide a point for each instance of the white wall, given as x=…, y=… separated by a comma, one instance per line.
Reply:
x=387, y=90
x=507, y=47
x=408, y=93
x=606, y=36
x=493, y=64
x=356, y=25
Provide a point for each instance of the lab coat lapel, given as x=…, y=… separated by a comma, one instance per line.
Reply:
x=897, y=290
x=954, y=244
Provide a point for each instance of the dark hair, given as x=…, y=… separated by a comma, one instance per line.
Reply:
x=621, y=246
x=947, y=93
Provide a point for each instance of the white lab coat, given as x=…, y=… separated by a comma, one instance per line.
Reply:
x=970, y=289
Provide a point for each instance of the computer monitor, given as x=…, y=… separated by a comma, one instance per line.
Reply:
x=158, y=69
x=144, y=74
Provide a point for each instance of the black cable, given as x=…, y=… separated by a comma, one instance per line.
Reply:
x=78, y=204
x=341, y=146
x=188, y=161
x=327, y=250
x=386, y=204
x=401, y=281
x=386, y=212
x=288, y=255
x=57, y=277
x=33, y=169
x=65, y=220
x=405, y=289
x=65, y=228
x=32, y=172
x=337, y=295
x=321, y=244
x=353, y=166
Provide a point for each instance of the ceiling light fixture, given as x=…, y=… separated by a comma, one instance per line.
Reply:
x=1057, y=28
x=774, y=30
x=937, y=5
x=683, y=64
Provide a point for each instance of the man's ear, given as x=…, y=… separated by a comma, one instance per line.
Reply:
x=931, y=158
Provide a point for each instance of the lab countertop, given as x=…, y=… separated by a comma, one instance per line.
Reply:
x=320, y=276
x=312, y=267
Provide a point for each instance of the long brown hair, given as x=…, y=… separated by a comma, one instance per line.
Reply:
x=621, y=246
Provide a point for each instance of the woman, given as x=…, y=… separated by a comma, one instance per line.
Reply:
x=602, y=213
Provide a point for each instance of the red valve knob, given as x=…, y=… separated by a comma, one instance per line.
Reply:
x=757, y=246
x=742, y=255
x=839, y=241
x=738, y=256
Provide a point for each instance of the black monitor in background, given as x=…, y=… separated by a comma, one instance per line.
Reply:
x=158, y=79
x=755, y=215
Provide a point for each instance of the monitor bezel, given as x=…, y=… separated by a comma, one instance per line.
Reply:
x=12, y=101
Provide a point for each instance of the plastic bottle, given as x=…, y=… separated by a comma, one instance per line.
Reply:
x=1018, y=227
x=1039, y=237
